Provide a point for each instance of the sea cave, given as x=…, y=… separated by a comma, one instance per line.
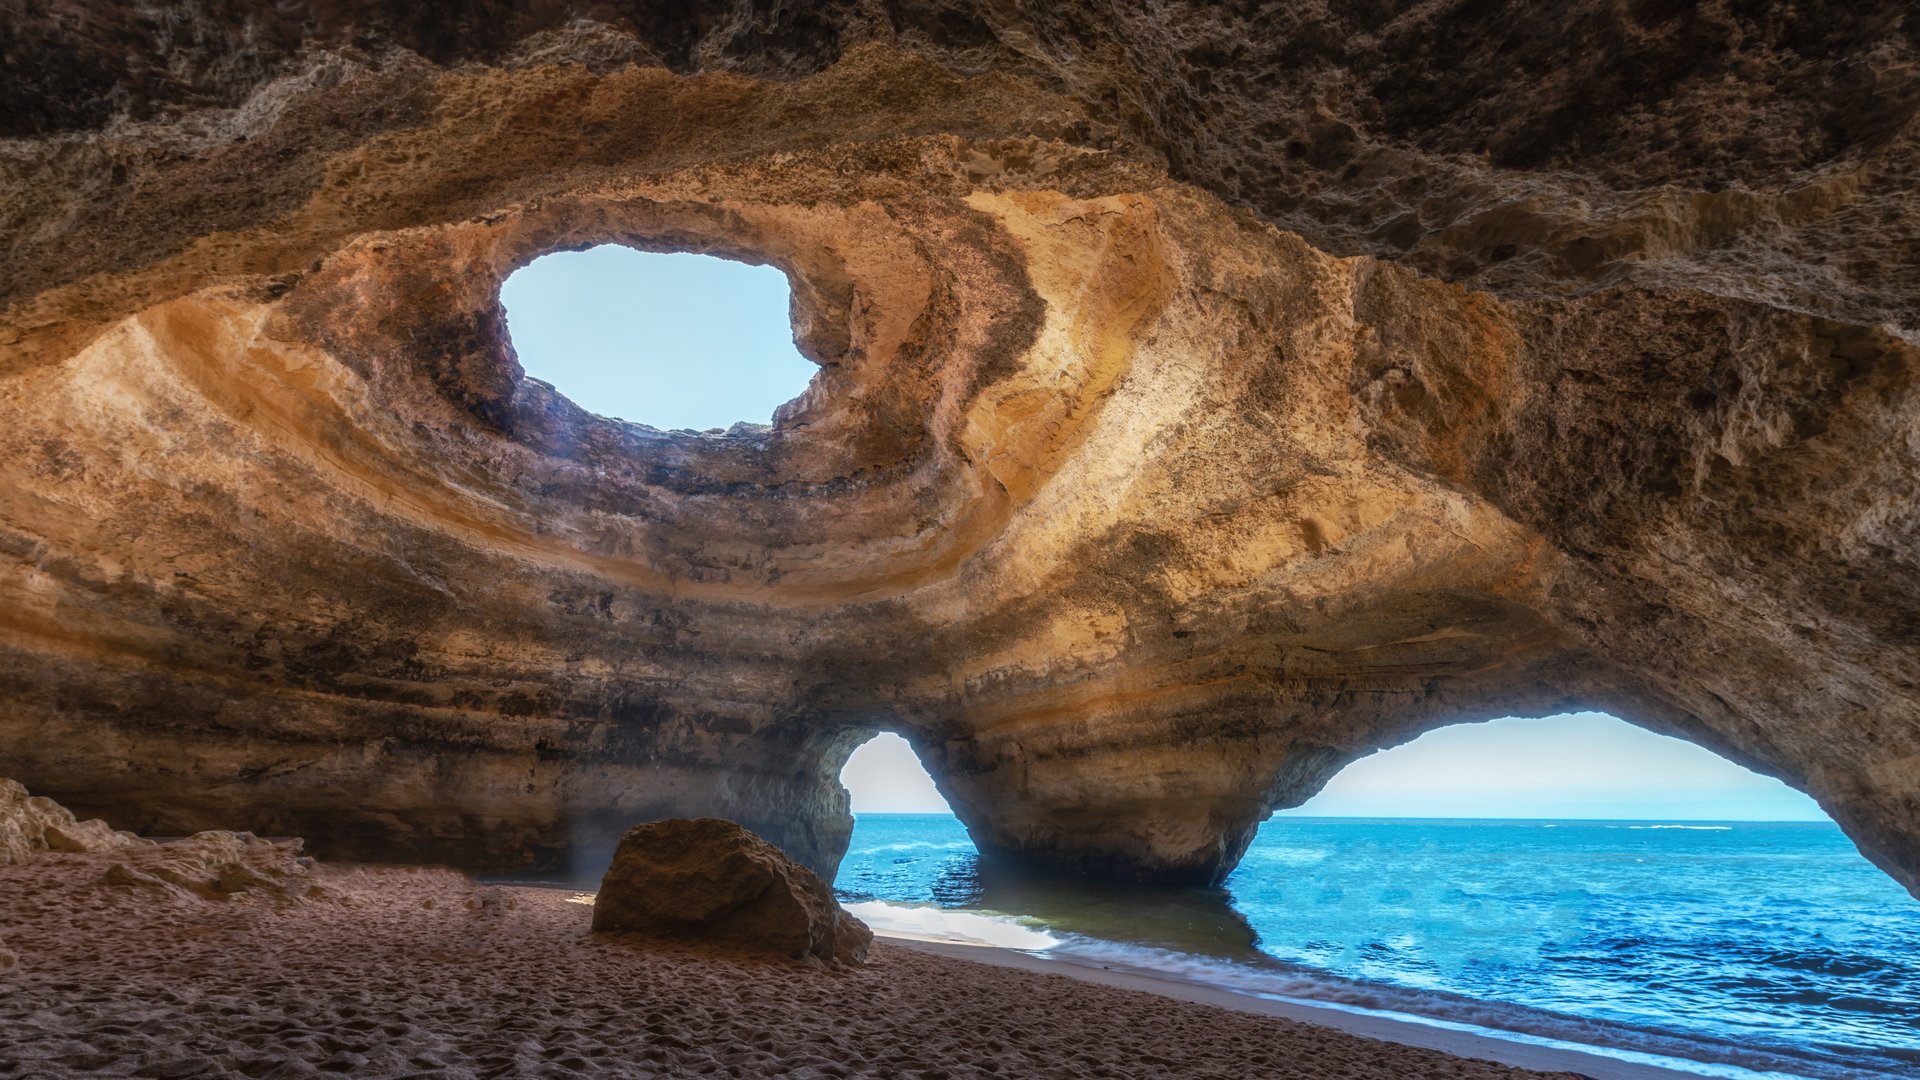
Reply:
x=1178, y=404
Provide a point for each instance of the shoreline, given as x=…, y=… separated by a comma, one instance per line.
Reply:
x=1446, y=1040
x=394, y=972
x=1461, y=1039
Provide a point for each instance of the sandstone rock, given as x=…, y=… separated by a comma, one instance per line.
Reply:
x=23, y=824
x=33, y=824
x=210, y=865
x=88, y=836
x=712, y=881
x=218, y=865
x=127, y=877
x=1210, y=395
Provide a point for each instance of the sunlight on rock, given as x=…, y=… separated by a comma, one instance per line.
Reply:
x=456, y=435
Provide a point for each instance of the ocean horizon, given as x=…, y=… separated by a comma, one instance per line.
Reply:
x=1728, y=948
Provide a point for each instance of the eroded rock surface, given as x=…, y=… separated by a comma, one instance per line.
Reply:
x=219, y=865
x=711, y=881
x=32, y=824
x=212, y=865
x=1208, y=397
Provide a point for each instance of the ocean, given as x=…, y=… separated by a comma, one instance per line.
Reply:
x=1730, y=949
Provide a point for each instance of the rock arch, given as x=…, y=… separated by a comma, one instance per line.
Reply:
x=1152, y=472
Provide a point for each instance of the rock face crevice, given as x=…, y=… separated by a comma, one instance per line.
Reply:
x=1202, y=405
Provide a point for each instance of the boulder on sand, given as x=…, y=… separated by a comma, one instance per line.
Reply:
x=712, y=881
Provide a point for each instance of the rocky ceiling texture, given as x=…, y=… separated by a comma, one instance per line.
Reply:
x=1209, y=395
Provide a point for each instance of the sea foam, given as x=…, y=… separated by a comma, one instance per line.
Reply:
x=1729, y=949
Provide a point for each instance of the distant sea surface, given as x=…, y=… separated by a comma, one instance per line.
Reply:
x=1736, y=949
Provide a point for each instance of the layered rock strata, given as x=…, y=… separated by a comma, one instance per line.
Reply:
x=1207, y=399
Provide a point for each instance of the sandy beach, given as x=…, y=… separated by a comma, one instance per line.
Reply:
x=421, y=973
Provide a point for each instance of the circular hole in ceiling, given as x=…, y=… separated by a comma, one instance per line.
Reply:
x=674, y=341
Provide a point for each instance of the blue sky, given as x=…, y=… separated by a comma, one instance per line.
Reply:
x=1585, y=765
x=698, y=342
x=675, y=341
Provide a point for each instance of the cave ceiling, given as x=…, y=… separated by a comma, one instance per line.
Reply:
x=1208, y=396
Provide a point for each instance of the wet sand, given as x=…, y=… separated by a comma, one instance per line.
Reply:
x=1552, y=1060
x=404, y=973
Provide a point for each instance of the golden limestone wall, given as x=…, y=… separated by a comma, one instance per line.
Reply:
x=1193, y=418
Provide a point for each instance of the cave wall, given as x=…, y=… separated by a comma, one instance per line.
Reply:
x=1206, y=400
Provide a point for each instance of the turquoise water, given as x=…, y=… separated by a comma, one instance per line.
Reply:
x=1740, y=948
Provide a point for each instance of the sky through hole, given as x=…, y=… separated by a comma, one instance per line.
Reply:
x=692, y=341
x=668, y=340
x=1584, y=765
